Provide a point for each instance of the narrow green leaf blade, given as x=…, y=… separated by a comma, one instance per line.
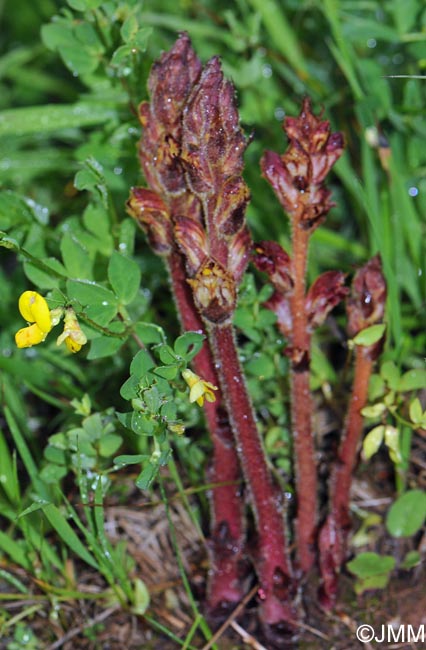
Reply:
x=51, y=117
x=67, y=534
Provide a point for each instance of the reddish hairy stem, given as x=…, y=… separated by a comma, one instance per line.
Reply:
x=272, y=563
x=227, y=509
x=333, y=535
x=301, y=405
x=353, y=430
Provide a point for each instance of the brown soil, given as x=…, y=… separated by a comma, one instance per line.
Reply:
x=95, y=624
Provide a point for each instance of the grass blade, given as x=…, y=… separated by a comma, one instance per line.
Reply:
x=67, y=534
x=49, y=118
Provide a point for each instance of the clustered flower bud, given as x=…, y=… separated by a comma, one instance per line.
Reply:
x=297, y=176
x=366, y=305
x=191, y=153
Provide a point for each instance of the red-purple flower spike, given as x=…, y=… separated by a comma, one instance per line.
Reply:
x=213, y=143
x=297, y=178
x=298, y=175
x=170, y=82
x=158, y=210
x=217, y=251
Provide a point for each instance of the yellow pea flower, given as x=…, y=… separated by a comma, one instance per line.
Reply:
x=33, y=307
x=73, y=336
x=29, y=336
x=199, y=389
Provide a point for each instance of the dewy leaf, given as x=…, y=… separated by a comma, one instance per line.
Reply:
x=96, y=221
x=76, y=258
x=167, y=372
x=407, y=514
x=126, y=236
x=147, y=476
x=45, y=273
x=77, y=43
x=151, y=398
x=142, y=362
x=370, y=335
x=97, y=303
x=150, y=333
x=390, y=373
x=122, y=54
x=166, y=354
x=142, y=425
x=372, y=441
x=125, y=276
x=104, y=346
x=51, y=117
x=140, y=40
x=92, y=178
x=90, y=293
x=8, y=242
x=189, y=344
x=130, y=388
x=14, y=210
x=391, y=439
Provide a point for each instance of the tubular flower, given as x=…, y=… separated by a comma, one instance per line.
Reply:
x=199, y=389
x=73, y=336
x=33, y=307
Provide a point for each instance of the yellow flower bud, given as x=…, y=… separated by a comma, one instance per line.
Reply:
x=73, y=336
x=199, y=389
x=177, y=428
